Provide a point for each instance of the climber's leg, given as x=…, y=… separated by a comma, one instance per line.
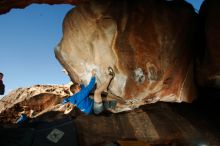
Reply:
x=98, y=104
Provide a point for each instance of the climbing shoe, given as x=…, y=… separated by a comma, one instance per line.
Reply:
x=110, y=104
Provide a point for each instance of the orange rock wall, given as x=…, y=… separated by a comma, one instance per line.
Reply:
x=148, y=43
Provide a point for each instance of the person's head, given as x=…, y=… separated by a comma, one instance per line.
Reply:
x=75, y=88
x=1, y=76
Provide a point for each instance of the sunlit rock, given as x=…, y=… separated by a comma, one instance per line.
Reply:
x=148, y=43
x=33, y=101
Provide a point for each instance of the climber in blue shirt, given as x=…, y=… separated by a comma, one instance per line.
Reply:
x=81, y=98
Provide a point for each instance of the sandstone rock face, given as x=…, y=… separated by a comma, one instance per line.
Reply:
x=148, y=43
x=33, y=101
x=208, y=70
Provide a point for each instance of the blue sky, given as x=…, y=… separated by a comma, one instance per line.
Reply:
x=27, y=40
x=196, y=3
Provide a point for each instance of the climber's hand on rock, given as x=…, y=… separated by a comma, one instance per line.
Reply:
x=93, y=72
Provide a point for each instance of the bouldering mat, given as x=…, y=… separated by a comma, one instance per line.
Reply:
x=59, y=135
x=56, y=133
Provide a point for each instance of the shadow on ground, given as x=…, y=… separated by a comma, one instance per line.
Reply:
x=165, y=124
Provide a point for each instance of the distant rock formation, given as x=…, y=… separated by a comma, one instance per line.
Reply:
x=208, y=69
x=148, y=43
x=33, y=101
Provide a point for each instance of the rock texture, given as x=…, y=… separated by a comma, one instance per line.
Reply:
x=148, y=43
x=208, y=71
x=33, y=101
x=159, y=124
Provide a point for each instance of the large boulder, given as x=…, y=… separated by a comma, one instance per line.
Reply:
x=148, y=43
x=208, y=69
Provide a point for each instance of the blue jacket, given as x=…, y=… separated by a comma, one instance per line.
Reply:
x=23, y=118
x=82, y=99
